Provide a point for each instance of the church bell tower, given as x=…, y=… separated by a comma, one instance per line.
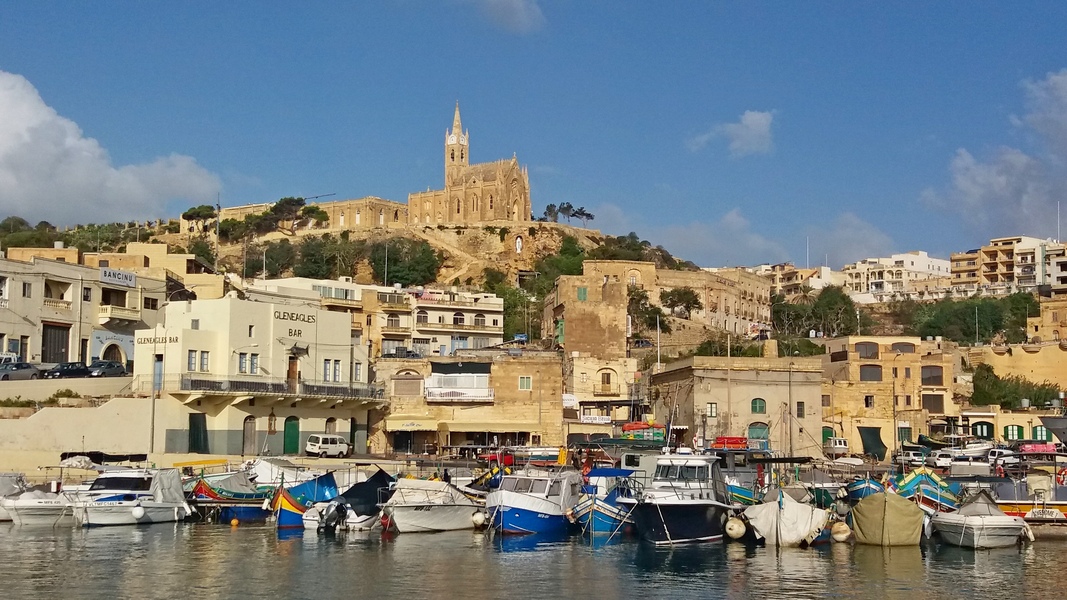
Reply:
x=457, y=153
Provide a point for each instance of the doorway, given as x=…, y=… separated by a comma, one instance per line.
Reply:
x=54, y=340
x=292, y=375
x=291, y=437
x=248, y=437
x=198, y=443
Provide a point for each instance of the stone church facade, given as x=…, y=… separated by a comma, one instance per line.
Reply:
x=495, y=191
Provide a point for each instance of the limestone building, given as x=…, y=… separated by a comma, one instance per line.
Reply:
x=896, y=274
x=1006, y=265
x=473, y=193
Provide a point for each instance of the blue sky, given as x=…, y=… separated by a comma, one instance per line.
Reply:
x=729, y=132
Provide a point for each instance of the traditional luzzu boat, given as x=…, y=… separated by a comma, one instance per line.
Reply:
x=927, y=488
x=533, y=501
x=862, y=487
x=598, y=510
x=232, y=497
x=290, y=504
x=358, y=505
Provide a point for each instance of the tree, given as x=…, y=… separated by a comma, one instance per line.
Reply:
x=203, y=249
x=806, y=295
x=281, y=257
x=410, y=263
x=684, y=298
x=314, y=261
x=14, y=224
x=834, y=312
x=566, y=210
x=312, y=214
x=286, y=209
x=1006, y=391
x=552, y=213
x=582, y=215
x=232, y=230
x=199, y=215
x=645, y=315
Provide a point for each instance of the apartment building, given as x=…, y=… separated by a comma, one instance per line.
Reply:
x=789, y=281
x=897, y=274
x=1007, y=264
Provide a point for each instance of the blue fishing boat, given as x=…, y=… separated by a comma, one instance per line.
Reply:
x=533, y=501
x=597, y=510
x=290, y=504
x=928, y=488
x=863, y=487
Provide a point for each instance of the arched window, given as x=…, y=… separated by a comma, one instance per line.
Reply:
x=422, y=317
x=396, y=216
x=357, y=217
x=457, y=318
x=490, y=203
x=1042, y=433
x=479, y=319
x=381, y=217
x=904, y=347
x=461, y=154
x=331, y=425
x=933, y=375
x=1056, y=335
x=867, y=350
x=452, y=156
x=870, y=372
x=457, y=206
x=392, y=321
x=982, y=429
x=759, y=431
x=759, y=406
x=1013, y=432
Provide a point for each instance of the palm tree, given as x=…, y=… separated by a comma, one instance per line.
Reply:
x=805, y=296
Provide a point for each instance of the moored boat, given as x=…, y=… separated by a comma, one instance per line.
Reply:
x=419, y=505
x=980, y=524
x=290, y=504
x=598, y=509
x=142, y=496
x=885, y=519
x=861, y=487
x=533, y=501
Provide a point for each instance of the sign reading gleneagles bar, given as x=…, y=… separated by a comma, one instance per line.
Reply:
x=115, y=277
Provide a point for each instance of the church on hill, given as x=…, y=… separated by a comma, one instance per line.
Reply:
x=473, y=193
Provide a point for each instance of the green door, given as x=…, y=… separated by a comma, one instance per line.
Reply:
x=291, y=440
x=827, y=433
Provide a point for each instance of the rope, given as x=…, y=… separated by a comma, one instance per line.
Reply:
x=665, y=528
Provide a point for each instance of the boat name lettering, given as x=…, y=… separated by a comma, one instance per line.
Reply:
x=1045, y=513
x=283, y=315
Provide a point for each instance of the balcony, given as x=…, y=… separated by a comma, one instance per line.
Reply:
x=340, y=303
x=459, y=394
x=119, y=314
x=55, y=304
x=606, y=389
x=396, y=330
x=445, y=301
x=245, y=385
x=454, y=327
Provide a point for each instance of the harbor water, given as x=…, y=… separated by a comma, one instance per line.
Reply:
x=217, y=561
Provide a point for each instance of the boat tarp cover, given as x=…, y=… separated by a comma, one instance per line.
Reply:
x=103, y=457
x=167, y=486
x=422, y=491
x=872, y=441
x=238, y=483
x=10, y=484
x=605, y=472
x=980, y=505
x=363, y=497
x=783, y=521
x=887, y=520
x=321, y=489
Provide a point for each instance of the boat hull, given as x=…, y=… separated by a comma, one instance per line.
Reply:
x=513, y=512
x=979, y=533
x=681, y=522
x=429, y=518
x=101, y=514
x=40, y=513
x=858, y=490
x=599, y=515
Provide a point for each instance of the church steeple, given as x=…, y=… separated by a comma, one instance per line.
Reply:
x=457, y=155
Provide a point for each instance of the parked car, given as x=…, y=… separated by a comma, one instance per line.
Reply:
x=18, y=370
x=940, y=460
x=324, y=445
x=67, y=370
x=1001, y=456
x=912, y=458
x=106, y=368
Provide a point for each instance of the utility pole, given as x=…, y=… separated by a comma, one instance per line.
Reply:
x=218, y=218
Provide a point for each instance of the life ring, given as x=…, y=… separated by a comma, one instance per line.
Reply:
x=1000, y=471
x=1061, y=476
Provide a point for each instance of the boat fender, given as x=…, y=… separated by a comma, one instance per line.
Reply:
x=842, y=493
x=478, y=518
x=1061, y=476
x=138, y=512
x=735, y=528
x=840, y=532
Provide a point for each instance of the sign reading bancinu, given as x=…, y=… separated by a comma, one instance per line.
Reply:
x=116, y=277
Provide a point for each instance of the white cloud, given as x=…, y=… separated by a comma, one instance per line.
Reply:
x=516, y=16
x=845, y=240
x=726, y=242
x=1013, y=192
x=50, y=171
x=750, y=135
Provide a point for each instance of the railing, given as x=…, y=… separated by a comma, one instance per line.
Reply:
x=459, y=394
x=57, y=304
x=197, y=382
x=445, y=301
x=459, y=326
x=110, y=311
x=396, y=330
x=344, y=302
x=606, y=389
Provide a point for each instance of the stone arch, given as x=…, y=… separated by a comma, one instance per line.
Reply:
x=381, y=216
x=396, y=216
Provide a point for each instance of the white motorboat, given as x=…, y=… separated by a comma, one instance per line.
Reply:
x=318, y=517
x=39, y=508
x=133, y=497
x=427, y=506
x=11, y=486
x=980, y=524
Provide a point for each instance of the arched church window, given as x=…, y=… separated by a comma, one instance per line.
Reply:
x=490, y=203
x=461, y=155
x=457, y=206
x=453, y=156
x=396, y=216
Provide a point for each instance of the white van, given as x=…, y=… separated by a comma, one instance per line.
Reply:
x=8, y=357
x=326, y=444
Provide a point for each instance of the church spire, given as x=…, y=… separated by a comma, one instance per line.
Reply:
x=457, y=125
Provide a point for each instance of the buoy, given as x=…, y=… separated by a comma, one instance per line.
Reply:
x=138, y=512
x=842, y=493
x=234, y=522
x=386, y=522
x=840, y=532
x=735, y=528
x=479, y=519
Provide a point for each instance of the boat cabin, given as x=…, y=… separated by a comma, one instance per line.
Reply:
x=835, y=446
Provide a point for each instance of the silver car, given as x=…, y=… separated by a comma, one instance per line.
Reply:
x=18, y=370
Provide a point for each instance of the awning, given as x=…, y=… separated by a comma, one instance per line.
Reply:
x=401, y=423
x=487, y=427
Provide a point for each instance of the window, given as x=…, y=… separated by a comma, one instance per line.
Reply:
x=894, y=372
x=904, y=347
x=800, y=410
x=932, y=375
x=27, y=289
x=326, y=369
x=105, y=263
x=826, y=399
x=192, y=360
x=605, y=378
x=868, y=402
x=357, y=371
x=337, y=370
x=907, y=400
x=87, y=294
x=392, y=321
x=253, y=364
x=759, y=406
x=633, y=280
x=584, y=377
x=583, y=294
x=712, y=410
x=242, y=362
x=205, y=360
x=525, y=383
x=457, y=318
x=422, y=317
x=907, y=372
x=496, y=323
x=870, y=372
x=251, y=331
x=1013, y=432
x=867, y=349
x=1042, y=433
x=479, y=319
x=194, y=324
x=151, y=303
x=934, y=403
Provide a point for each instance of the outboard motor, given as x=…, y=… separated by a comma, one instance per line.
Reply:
x=333, y=515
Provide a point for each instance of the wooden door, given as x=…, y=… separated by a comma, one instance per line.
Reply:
x=248, y=441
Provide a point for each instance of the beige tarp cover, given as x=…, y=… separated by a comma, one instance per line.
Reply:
x=887, y=520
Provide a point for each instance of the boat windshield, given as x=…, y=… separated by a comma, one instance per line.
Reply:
x=132, y=484
x=682, y=472
x=539, y=486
